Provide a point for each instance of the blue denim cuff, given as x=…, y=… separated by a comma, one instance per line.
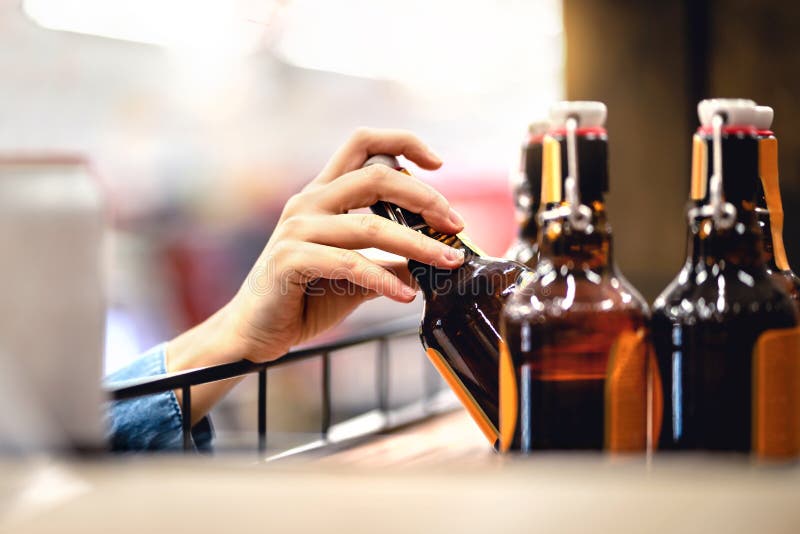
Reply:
x=152, y=422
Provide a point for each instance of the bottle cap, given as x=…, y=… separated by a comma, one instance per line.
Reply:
x=588, y=113
x=383, y=159
x=764, y=116
x=538, y=127
x=735, y=111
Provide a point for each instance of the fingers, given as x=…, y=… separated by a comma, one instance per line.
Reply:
x=400, y=270
x=364, y=187
x=355, y=231
x=366, y=142
x=303, y=263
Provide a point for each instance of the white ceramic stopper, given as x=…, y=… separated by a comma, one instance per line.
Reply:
x=764, y=116
x=589, y=114
x=735, y=111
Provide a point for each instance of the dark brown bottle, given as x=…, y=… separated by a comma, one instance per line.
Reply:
x=769, y=208
x=460, y=321
x=725, y=334
x=574, y=372
x=527, y=188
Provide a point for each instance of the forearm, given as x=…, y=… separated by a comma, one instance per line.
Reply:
x=213, y=342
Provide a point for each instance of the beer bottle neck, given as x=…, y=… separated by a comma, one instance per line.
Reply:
x=427, y=277
x=415, y=221
x=562, y=244
x=562, y=241
x=530, y=230
x=591, y=146
x=740, y=245
x=532, y=176
x=725, y=227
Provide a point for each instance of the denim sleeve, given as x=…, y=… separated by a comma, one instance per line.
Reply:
x=152, y=422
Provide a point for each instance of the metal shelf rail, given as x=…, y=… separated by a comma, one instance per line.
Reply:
x=404, y=327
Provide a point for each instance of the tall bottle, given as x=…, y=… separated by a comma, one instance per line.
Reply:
x=527, y=188
x=726, y=336
x=769, y=208
x=573, y=369
x=460, y=321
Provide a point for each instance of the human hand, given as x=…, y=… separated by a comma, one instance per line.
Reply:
x=309, y=276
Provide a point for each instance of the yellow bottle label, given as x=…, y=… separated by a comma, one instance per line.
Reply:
x=551, y=170
x=471, y=244
x=699, y=168
x=768, y=170
x=626, y=393
x=475, y=411
x=776, y=394
x=450, y=240
x=509, y=399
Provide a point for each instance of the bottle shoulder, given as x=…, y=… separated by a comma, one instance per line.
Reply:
x=554, y=292
x=524, y=251
x=482, y=281
x=788, y=280
x=476, y=267
x=721, y=293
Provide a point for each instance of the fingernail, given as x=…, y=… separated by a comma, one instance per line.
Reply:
x=455, y=218
x=408, y=292
x=454, y=254
x=433, y=154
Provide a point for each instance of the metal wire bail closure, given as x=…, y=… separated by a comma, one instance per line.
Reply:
x=580, y=215
x=721, y=212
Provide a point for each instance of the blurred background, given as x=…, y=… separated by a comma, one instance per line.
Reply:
x=200, y=118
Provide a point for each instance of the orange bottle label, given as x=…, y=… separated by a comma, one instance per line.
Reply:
x=509, y=400
x=655, y=400
x=768, y=170
x=626, y=393
x=776, y=394
x=466, y=398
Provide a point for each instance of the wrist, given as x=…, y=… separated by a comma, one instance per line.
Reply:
x=212, y=342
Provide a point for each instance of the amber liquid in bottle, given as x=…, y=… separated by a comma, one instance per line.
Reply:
x=527, y=196
x=461, y=316
x=708, y=321
x=577, y=332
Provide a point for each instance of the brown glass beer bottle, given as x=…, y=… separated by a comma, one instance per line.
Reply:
x=527, y=188
x=573, y=369
x=460, y=321
x=725, y=333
